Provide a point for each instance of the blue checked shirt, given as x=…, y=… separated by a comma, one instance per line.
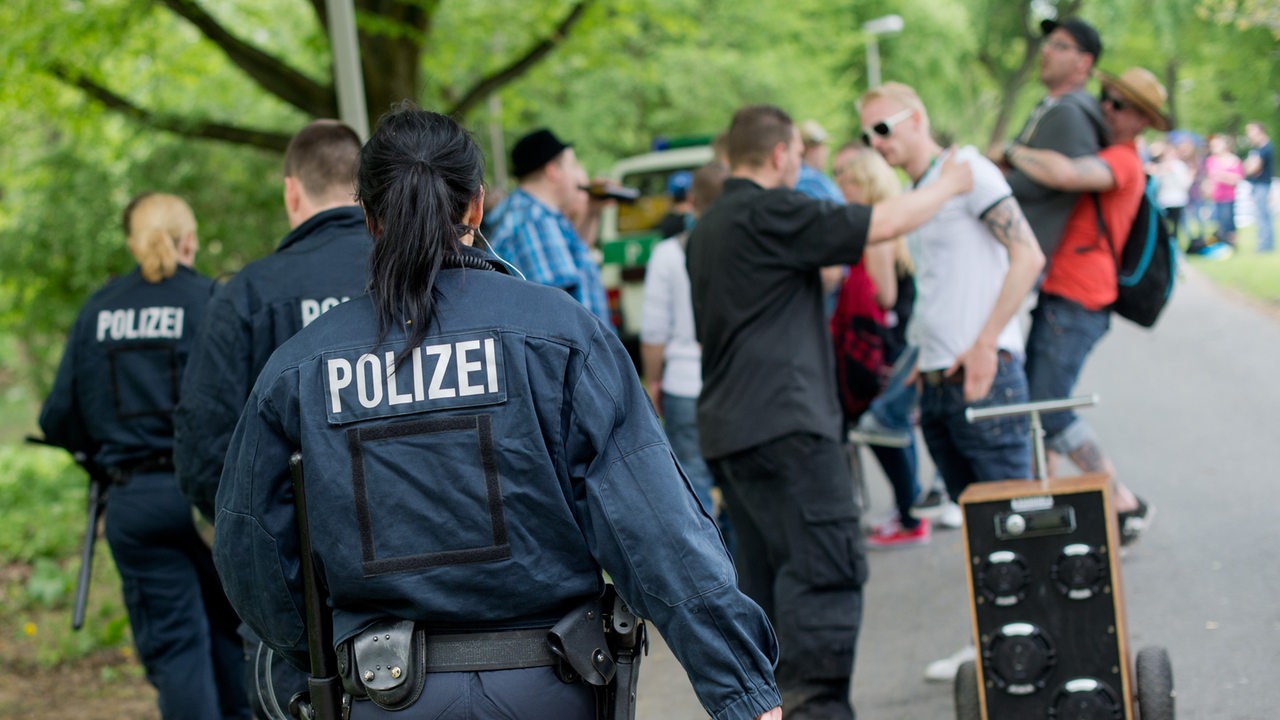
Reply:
x=817, y=185
x=542, y=243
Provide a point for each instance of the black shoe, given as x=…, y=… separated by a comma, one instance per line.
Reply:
x=1134, y=522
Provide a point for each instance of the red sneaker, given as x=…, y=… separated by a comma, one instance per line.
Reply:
x=893, y=535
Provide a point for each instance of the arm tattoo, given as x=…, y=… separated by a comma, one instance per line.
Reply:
x=1007, y=223
x=1094, y=173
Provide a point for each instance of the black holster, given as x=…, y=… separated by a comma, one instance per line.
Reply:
x=601, y=643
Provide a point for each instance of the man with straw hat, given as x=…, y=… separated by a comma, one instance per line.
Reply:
x=1080, y=285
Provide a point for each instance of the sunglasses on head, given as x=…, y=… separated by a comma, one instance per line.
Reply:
x=1116, y=103
x=884, y=128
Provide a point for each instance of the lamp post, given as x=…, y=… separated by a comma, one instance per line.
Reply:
x=874, y=28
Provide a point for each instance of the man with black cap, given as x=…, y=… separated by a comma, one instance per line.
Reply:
x=530, y=229
x=1067, y=120
x=1073, y=312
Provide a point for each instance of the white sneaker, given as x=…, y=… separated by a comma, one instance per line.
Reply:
x=869, y=431
x=945, y=670
x=950, y=517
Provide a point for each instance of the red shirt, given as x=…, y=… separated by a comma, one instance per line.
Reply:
x=1083, y=268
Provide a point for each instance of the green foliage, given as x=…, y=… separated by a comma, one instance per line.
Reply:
x=42, y=495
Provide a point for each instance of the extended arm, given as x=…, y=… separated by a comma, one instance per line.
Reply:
x=1055, y=170
x=904, y=213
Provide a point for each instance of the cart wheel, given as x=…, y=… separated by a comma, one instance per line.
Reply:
x=968, y=706
x=1155, y=684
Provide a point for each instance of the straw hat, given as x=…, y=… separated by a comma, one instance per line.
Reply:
x=1143, y=91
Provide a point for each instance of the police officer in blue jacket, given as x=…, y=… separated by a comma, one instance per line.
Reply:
x=113, y=400
x=478, y=448
x=321, y=262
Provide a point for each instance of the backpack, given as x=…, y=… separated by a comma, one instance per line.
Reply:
x=1148, y=262
x=857, y=333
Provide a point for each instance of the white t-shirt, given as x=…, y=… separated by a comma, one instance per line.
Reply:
x=667, y=319
x=960, y=267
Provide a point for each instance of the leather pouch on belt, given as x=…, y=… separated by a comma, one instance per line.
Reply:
x=578, y=640
x=390, y=662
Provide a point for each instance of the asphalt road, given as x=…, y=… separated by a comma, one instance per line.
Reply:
x=1189, y=414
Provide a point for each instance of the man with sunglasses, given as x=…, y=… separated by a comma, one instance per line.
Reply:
x=769, y=419
x=976, y=261
x=1073, y=313
x=1067, y=120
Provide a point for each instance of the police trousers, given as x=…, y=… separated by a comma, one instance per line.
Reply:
x=183, y=626
x=801, y=557
x=524, y=694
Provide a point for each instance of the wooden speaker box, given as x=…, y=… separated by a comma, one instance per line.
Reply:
x=1043, y=567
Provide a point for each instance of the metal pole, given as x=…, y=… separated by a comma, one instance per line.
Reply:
x=873, y=62
x=347, y=76
x=1033, y=409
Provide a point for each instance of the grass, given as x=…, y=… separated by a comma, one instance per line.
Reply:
x=1254, y=274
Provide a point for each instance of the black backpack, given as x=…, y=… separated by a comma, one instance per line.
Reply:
x=1148, y=263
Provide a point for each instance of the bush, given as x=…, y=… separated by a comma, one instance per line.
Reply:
x=42, y=519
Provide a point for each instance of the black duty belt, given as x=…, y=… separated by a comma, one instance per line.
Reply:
x=479, y=652
x=154, y=463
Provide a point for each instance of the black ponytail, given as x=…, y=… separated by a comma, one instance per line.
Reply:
x=417, y=177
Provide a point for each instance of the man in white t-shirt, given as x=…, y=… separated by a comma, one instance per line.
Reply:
x=976, y=260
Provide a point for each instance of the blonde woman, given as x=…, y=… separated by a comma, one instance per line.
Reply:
x=885, y=427
x=113, y=401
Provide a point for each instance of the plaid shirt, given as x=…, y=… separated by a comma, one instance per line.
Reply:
x=542, y=243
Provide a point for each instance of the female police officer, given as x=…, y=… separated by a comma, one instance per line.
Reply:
x=477, y=448
x=113, y=401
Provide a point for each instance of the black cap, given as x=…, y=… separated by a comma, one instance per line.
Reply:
x=535, y=150
x=1084, y=33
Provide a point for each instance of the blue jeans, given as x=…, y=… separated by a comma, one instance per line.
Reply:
x=183, y=625
x=680, y=420
x=893, y=408
x=982, y=451
x=1266, y=227
x=1062, y=335
x=1224, y=214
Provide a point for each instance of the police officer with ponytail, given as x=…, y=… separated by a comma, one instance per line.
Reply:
x=113, y=400
x=478, y=448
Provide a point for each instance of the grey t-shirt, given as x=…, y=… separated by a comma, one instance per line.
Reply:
x=1073, y=125
x=768, y=367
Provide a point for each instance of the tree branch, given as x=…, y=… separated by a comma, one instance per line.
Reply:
x=520, y=65
x=266, y=139
x=273, y=75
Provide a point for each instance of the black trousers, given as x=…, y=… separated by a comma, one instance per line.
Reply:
x=800, y=555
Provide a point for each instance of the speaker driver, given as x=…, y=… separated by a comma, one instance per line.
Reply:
x=1080, y=572
x=1004, y=578
x=1019, y=658
x=1086, y=699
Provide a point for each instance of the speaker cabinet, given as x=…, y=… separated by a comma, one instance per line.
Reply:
x=1046, y=600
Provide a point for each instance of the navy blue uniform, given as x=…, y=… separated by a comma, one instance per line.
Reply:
x=113, y=399
x=480, y=480
x=318, y=265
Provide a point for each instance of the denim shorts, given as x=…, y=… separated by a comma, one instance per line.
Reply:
x=1063, y=334
x=985, y=450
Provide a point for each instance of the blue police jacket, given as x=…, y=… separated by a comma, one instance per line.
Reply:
x=478, y=480
x=117, y=384
x=318, y=265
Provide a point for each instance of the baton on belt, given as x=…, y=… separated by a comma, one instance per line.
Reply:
x=323, y=700
x=99, y=481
